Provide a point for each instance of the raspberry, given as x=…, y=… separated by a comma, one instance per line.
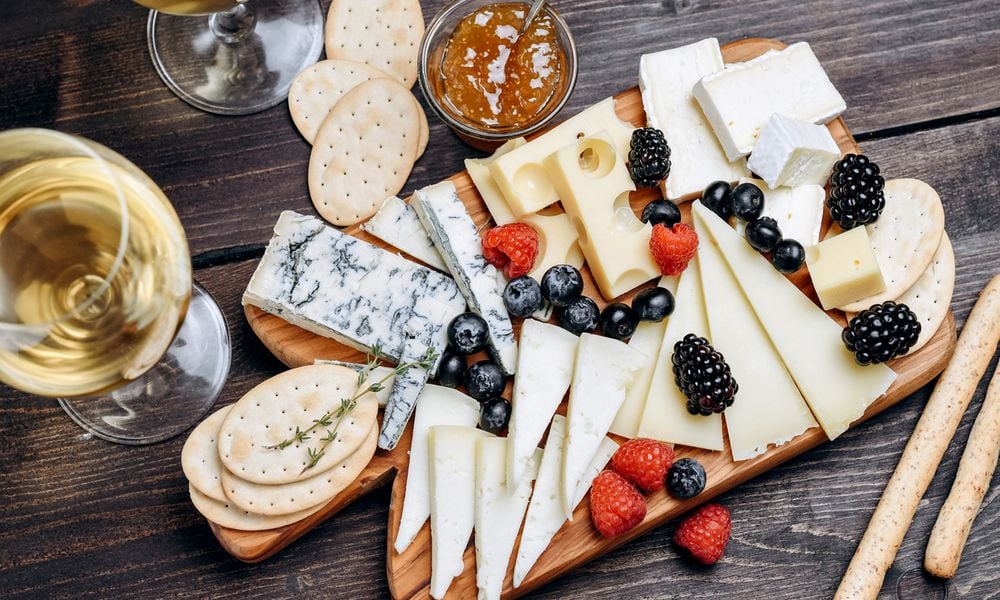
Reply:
x=615, y=505
x=644, y=462
x=512, y=248
x=673, y=248
x=705, y=533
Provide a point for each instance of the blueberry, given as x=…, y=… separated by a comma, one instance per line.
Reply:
x=522, y=296
x=788, y=256
x=747, y=201
x=717, y=198
x=451, y=371
x=494, y=415
x=579, y=316
x=661, y=212
x=467, y=333
x=686, y=478
x=653, y=304
x=618, y=321
x=561, y=284
x=484, y=380
x=763, y=234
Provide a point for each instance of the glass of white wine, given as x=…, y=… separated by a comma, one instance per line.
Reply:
x=97, y=303
x=233, y=57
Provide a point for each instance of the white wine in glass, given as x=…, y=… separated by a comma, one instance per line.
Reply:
x=95, y=291
x=241, y=57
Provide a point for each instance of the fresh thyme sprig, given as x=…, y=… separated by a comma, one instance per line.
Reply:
x=335, y=417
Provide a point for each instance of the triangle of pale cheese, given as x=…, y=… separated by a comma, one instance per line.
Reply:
x=837, y=389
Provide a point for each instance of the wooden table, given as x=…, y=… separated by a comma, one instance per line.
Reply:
x=86, y=518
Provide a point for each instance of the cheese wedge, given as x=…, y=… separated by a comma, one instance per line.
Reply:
x=545, y=513
x=648, y=338
x=544, y=371
x=499, y=512
x=837, y=389
x=605, y=368
x=665, y=416
x=453, y=500
x=479, y=171
x=437, y=405
x=768, y=408
x=557, y=243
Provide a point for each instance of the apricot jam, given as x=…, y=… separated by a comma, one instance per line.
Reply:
x=494, y=75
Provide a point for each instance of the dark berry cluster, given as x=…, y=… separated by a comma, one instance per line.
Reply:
x=703, y=375
x=648, y=157
x=857, y=191
x=881, y=333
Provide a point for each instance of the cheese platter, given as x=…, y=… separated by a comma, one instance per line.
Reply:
x=736, y=456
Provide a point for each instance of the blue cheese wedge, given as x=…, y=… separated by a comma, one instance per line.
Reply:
x=337, y=286
x=457, y=239
x=398, y=225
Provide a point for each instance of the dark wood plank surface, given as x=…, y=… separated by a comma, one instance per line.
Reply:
x=82, y=518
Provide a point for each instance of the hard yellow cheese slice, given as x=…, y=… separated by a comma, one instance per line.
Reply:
x=479, y=171
x=837, y=389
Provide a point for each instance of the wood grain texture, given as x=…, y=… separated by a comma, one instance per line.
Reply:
x=85, y=519
x=82, y=66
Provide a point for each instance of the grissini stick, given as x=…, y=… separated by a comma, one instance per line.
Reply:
x=923, y=453
x=944, y=550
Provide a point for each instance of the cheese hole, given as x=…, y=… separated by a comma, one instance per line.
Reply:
x=596, y=158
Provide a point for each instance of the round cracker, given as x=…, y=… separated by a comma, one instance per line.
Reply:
x=293, y=497
x=270, y=412
x=904, y=238
x=227, y=515
x=316, y=89
x=364, y=151
x=200, y=456
x=384, y=34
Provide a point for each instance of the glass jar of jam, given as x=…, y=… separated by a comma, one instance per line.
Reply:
x=489, y=80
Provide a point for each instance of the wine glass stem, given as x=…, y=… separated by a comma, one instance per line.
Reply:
x=233, y=25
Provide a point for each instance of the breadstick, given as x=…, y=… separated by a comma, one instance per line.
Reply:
x=944, y=550
x=923, y=453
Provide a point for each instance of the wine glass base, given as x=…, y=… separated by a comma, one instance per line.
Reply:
x=172, y=396
x=237, y=74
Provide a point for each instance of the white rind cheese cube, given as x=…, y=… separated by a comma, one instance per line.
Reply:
x=792, y=152
x=739, y=100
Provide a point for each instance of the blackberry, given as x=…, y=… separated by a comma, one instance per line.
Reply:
x=648, y=157
x=703, y=375
x=857, y=191
x=686, y=478
x=881, y=332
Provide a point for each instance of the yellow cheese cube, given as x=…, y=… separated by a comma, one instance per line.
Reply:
x=844, y=269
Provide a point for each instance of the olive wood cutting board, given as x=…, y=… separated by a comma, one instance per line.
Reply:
x=577, y=542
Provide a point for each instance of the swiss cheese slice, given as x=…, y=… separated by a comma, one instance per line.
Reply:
x=437, y=405
x=604, y=370
x=648, y=338
x=837, y=389
x=479, y=171
x=768, y=408
x=665, y=416
x=557, y=243
x=544, y=371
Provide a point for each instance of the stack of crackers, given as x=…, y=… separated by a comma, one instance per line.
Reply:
x=356, y=109
x=238, y=476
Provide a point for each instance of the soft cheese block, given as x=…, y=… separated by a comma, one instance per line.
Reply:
x=793, y=152
x=605, y=368
x=452, y=466
x=666, y=80
x=557, y=243
x=437, y=405
x=457, y=239
x=398, y=225
x=544, y=371
x=768, y=409
x=479, y=171
x=836, y=388
x=523, y=178
x=340, y=287
x=545, y=512
x=665, y=416
x=499, y=511
x=739, y=100
x=843, y=268
x=798, y=211
x=593, y=184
